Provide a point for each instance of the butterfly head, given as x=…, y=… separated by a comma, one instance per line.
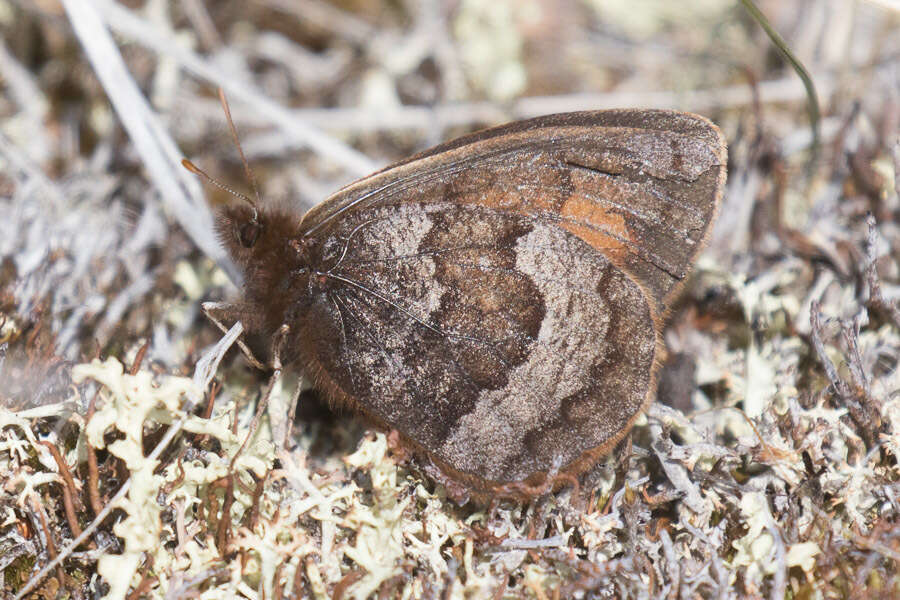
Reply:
x=265, y=244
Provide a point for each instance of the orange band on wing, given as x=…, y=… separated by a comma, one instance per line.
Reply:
x=601, y=228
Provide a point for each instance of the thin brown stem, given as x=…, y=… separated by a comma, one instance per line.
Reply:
x=51, y=546
x=69, y=490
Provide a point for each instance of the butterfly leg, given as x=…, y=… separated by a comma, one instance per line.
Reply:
x=277, y=346
x=292, y=411
x=219, y=311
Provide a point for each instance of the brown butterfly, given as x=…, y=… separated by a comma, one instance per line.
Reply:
x=497, y=300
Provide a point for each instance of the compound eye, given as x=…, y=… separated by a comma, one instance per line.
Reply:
x=248, y=233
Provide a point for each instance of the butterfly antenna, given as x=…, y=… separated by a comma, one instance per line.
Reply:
x=234, y=136
x=202, y=174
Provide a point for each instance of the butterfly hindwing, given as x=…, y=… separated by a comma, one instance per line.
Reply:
x=502, y=344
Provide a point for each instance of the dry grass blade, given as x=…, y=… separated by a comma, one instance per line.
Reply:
x=181, y=194
x=127, y=24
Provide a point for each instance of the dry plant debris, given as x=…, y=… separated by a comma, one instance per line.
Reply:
x=768, y=467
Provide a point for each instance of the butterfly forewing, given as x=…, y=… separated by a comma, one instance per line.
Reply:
x=641, y=186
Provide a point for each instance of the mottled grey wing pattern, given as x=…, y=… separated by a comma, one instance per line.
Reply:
x=496, y=299
x=503, y=345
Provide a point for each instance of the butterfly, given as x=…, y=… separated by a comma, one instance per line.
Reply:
x=497, y=300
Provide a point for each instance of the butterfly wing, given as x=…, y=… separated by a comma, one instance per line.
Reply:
x=641, y=186
x=497, y=299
